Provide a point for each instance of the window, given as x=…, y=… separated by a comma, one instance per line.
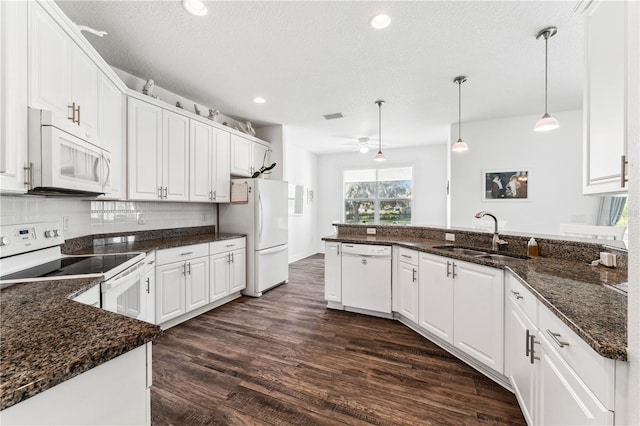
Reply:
x=378, y=195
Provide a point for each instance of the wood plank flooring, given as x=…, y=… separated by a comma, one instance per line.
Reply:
x=284, y=359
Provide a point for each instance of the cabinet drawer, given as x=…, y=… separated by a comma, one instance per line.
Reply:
x=596, y=371
x=177, y=254
x=408, y=256
x=227, y=245
x=522, y=297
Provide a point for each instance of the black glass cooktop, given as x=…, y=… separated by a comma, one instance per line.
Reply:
x=77, y=265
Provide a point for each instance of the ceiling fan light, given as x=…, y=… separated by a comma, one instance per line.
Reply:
x=459, y=146
x=379, y=157
x=380, y=21
x=364, y=149
x=195, y=7
x=546, y=123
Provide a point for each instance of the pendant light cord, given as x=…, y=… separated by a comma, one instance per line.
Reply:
x=459, y=108
x=546, y=62
x=379, y=126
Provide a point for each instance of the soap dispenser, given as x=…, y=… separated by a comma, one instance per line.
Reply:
x=532, y=247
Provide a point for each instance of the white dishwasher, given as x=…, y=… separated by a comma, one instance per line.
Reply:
x=366, y=277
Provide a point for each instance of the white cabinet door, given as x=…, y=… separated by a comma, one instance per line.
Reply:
x=84, y=89
x=222, y=175
x=521, y=371
x=479, y=312
x=562, y=397
x=332, y=272
x=605, y=97
x=111, y=132
x=197, y=285
x=202, y=148
x=170, y=287
x=49, y=63
x=145, y=151
x=408, y=291
x=436, y=296
x=13, y=95
x=219, y=280
x=241, y=156
x=238, y=274
x=175, y=156
x=149, y=283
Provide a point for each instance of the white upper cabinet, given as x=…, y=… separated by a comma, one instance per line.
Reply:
x=13, y=95
x=247, y=156
x=111, y=130
x=62, y=77
x=158, y=151
x=241, y=156
x=209, y=177
x=605, y=98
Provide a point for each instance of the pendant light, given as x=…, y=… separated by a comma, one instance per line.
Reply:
x=546, y=122
x=459, y=146
x=379, y=156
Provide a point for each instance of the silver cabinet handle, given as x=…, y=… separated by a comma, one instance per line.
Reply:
x=337, y=249
x=165, y=190
x=364, y=261
x=215, y=195
x=554, y=337
x=448, y=266
x=148, y=284
x=189, y=268
x=230, y=245
x=517, y=295
x=96, y=304
x=532, y=352
x=72, y=109
x=414, y=275
x=228, y=257
x=453, y=264
x=623, y=171
x=528, y=342
x=233, y=259
x=29, y=176
x=184, y=271
x=78, y=119
x=211, y=195
x=160, y=192
x=186, y=253
x=405, y=256
x=151, y=262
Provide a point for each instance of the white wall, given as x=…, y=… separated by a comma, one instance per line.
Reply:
x=429, y=183
x=302, y=169
x=94, y=217
x=554, y=162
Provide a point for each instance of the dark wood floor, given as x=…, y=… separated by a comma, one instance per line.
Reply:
x=284, y=359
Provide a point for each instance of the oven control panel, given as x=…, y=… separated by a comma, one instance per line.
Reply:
x=18, y=239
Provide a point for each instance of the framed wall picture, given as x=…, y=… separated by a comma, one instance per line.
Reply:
x=505, y=185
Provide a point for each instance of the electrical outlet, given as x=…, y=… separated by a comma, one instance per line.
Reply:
x=142, y=218
x=65, y=223
x=449, y=237
x=608, y=259
x=371, y=231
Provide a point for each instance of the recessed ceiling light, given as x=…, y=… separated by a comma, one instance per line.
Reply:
x=259, y=100
x=195, y=7
x=380, y=21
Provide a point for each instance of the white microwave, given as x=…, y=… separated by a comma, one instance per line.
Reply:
x=65, y=159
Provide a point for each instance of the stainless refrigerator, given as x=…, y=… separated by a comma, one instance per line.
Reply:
x=259, y=210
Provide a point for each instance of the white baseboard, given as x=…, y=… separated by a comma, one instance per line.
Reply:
x=297, y=257
x=201, y=310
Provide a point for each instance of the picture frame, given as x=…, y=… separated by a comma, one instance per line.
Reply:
x=505, y=185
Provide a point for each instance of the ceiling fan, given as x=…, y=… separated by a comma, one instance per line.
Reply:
x=363, y=144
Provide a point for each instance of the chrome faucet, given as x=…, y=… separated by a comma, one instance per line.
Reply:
x=496, y=243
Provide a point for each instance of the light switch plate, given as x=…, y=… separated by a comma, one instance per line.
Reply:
x=371, y=231
x=449, y=237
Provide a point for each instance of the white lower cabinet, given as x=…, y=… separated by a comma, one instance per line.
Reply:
x=228, y=263
x=550, y=391
x=408, y=278
x=182, y=280
x=332, y=272
x=462, y=303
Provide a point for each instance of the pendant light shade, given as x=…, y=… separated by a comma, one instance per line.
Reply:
x=379, y=156
x=547, y=122
x=459, y=146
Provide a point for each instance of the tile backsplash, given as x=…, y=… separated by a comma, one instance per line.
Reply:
x=84, y=217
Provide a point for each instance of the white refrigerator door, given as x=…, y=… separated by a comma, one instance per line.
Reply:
x=271, y=213
x=272, y=267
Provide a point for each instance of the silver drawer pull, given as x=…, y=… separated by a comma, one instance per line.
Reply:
x=186, y=253
x=554, y=337
x=230, y=245
x=406, y=257
x=97, y=304
x=517, y=295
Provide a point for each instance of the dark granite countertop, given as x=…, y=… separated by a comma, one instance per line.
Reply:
x=574, y=291
x=108, y=246
x=47, y=338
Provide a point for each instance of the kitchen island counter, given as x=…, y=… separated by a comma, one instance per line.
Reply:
x=576, y=292
x=47, y=338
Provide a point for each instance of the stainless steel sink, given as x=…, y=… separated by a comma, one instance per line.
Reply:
x=462, y=250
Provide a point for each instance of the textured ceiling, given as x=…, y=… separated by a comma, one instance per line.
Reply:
x=312, y=58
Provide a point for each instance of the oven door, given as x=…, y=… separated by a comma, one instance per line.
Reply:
x=125, y=293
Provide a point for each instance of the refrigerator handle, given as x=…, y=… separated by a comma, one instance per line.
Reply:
x=261, y=216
